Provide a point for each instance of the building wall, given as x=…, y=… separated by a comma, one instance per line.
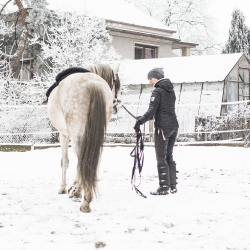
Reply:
x=125, y=46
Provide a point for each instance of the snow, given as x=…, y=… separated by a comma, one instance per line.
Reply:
x=188, y=69
x=115, y=10
x=210, y=211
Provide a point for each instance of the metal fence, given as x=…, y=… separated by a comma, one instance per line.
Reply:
x=22, y=124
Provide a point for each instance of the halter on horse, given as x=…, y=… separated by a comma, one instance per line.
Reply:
x=80, y=108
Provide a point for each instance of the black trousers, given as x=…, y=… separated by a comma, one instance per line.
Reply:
x=164, y=145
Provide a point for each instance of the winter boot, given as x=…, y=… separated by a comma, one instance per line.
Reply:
x=163, y=174
x=160, y=191
x=172, y=172
x=173, y=189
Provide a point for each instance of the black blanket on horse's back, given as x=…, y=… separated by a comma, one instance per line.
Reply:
x=63, y=74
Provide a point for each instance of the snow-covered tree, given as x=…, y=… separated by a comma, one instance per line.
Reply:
x=75, y=40
x=4, y=64
x=188, y=18
x=14, y=58
x=39, y=17
x=248, y=39
x=238, y=37
x=26, y=21
x=83, y=39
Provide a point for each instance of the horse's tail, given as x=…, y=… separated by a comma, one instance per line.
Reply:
x=92, y=141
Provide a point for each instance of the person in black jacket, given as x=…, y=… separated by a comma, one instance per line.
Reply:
x=162, y=109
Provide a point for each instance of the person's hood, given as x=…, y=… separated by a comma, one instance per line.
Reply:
x=165, y=84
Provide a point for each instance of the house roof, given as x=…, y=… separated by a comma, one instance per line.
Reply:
x=209, y=68
x=115, y=10
x=122, y=17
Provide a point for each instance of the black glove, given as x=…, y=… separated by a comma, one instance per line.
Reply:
x=137, y=125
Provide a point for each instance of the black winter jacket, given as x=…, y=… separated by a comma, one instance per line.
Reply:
x=162, y=106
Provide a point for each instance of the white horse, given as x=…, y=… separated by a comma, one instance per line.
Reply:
x=80, y=108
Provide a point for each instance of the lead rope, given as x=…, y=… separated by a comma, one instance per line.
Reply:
x=138, y=154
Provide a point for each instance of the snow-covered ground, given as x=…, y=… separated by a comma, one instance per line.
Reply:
x=210, y=211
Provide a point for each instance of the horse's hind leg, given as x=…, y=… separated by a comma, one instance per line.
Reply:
x=64, y=140
x=87, y=199
x=75, y=191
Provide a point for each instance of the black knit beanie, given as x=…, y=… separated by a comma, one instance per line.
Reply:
x=157, y=73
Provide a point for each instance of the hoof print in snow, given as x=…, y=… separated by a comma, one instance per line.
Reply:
x=76, y=199
x=100, y=244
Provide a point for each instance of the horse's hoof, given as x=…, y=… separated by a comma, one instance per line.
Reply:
x=62, y=191
x=76, y=199
x=72, y=191
x=85, y=209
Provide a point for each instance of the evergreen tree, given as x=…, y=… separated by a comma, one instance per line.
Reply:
x=248, y=38
x=238, y=39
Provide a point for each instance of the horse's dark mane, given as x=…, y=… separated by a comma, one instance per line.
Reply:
x=106, y=72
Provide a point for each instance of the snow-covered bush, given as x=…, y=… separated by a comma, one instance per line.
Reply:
x=74, y=40
x=237, y=118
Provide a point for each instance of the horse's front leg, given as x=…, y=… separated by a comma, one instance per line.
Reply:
x=88, y=195
x=64, y=140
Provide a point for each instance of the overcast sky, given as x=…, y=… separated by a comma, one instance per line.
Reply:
x=222, y=11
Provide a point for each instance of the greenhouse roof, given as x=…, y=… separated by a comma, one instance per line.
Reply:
x=209, y=68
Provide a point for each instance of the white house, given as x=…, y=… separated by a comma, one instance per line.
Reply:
x=136, y=35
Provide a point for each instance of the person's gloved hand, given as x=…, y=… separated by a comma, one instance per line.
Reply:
x=137, y=125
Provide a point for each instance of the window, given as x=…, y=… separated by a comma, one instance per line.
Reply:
x=145, y=51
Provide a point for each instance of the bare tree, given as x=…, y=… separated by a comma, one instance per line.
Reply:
x=15, y=58
x=188, y=18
